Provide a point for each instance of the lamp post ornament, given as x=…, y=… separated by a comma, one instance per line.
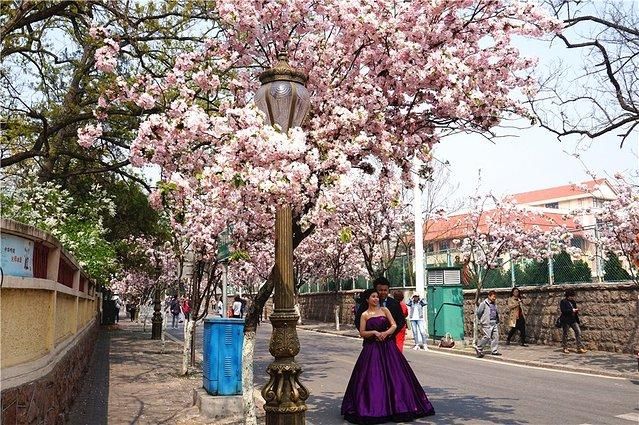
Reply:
x=284, y=99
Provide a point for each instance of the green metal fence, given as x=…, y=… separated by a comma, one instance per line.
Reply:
x=523, y=272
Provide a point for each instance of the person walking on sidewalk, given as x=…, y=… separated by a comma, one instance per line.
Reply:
x=570, y=319
x=417, y=322
x=488, y=319
x=186, y=308
x=175, y=312
x=516, y=319
x=401, y=334
x=118, y=305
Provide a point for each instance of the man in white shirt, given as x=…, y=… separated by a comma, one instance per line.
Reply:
x=417, y=323
x=220, y=307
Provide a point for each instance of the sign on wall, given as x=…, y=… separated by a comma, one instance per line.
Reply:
x=17, y=256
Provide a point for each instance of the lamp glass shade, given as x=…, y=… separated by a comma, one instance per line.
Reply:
x=285, y=103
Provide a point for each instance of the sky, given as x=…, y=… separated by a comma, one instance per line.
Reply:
x=533, y=158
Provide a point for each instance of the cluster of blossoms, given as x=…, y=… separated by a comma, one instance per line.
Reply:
x=618, y=222
x=133, y=285
x=387, y=80
x=158, y=267
x=364, y=219
x=509, y=229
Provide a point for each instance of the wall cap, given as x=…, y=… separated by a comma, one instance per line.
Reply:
x=13, y=227
x=561, y=287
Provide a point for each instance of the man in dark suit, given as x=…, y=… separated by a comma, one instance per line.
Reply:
x=382, y=285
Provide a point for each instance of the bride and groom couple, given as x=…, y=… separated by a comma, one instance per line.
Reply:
x=383, y=387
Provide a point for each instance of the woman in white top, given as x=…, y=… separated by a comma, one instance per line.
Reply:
x=237, y=307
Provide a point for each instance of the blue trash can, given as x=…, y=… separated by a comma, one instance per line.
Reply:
x=222, y=362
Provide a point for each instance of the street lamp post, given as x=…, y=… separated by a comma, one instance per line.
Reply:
x=156, y=320
x=285, y=101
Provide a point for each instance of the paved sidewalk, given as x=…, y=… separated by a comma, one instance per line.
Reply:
x=135, y=380
x=592, y=362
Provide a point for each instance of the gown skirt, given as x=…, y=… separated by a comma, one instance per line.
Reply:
x=383, y=387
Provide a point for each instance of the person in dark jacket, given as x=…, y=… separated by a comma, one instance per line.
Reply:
x=382, y=285
x=570, y=319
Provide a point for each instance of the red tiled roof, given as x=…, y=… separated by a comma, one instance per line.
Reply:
x=455, y=227
x=557, y=192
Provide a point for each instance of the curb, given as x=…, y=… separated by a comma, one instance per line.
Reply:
x=501, y=359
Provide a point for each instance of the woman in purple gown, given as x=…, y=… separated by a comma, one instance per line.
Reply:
x=382, y=387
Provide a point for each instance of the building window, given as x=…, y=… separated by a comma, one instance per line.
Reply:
x=554, y=205
x=444, y=245
x=430, y=247
x=577, y=242
x=598, y=203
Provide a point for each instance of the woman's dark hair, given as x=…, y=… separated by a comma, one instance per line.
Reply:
x=570, y=293
x=512, y=291
x=398, y=295
x=237, y=298
x=364, y=296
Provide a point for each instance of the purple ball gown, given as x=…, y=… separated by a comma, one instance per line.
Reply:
x=383, y=387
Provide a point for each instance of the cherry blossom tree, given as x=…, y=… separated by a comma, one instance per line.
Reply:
x=618, y=224
x=51, y=83
x=373, y=213
x=330, y=254
x=498, y=231
x=387, y=81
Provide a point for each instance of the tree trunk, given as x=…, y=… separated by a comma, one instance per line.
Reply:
x=480, y=283
x=186, y=350
x=248, y=349
x=250, y=329
x=193, y=343
x=163, y=331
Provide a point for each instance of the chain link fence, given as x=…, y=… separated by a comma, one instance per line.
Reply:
x=529, y=272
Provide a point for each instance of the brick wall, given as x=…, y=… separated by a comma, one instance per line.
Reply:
x=47, y=400
x=321, y=306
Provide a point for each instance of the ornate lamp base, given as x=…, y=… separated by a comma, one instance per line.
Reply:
x=156, y=326
x=284, y=394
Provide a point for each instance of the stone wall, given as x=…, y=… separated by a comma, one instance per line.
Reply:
x=47, y=399
x=321, y=306
x=609, y=315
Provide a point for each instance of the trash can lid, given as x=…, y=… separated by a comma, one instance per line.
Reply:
x=225, y=320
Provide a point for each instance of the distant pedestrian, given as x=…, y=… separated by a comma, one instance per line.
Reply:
x=570, y=319
x=516, y=319
x=417, y=322
x=237, y=307
x=220, y=307
x=118, y=305
x=186, y=308
x=400, y=337
x=175, y=312
x=488, y=320
x=132, y=309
